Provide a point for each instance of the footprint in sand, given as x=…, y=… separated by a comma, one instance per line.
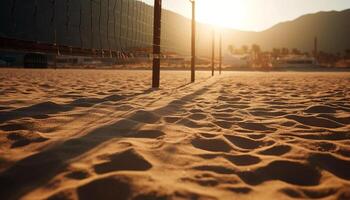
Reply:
x=256, y=136
x=203, y=180
x=333, y=135
x=240, y=190
x=255, y=126
x=78, y=175
x=212, y=144
x=106, y=188
x=128, y=160
x=195, y=124
x=243, y=160
x=315, y=121
x=335, y=165
x=246, y=143
x=145, y=117
x=24, y=138
x=320, y=109
x=288, y=171
x=340, y=120
x=219, y=169
x=277, y=150
x=151, y=134
x=197, y=116
x=309, y=193
x=223, y=124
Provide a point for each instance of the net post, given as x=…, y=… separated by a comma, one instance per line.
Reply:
x=193, y=45
x=156, y=43
x=213, y=53
x=220, y=54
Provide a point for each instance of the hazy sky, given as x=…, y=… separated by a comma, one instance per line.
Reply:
x=252, y=15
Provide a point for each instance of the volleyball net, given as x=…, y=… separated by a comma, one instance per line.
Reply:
x=118, y=30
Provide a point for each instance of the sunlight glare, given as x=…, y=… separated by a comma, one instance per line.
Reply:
x=222, y=13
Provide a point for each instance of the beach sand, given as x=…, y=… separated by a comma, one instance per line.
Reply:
x=103, y=134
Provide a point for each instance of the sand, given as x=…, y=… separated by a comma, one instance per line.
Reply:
x=74, y=134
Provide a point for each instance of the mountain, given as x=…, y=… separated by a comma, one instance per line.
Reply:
x=331, y=28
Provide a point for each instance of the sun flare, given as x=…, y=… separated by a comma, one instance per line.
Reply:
x=222, y=13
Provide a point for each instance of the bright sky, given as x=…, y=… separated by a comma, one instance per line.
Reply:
x=251, y=15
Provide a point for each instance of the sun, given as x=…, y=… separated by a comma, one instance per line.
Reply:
x=221, y=13
x=235, y=14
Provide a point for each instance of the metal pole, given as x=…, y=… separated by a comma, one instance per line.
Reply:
x=213, y=53
x=99, y=29
x=80, y=23
x=156, y=43
x=35, y=16
x=193, y=45
x=108, y=41
x=91, y=25
x=316, y=49
x=114, y=23
x=121, y=26
x=220, y=54
x=13, y=9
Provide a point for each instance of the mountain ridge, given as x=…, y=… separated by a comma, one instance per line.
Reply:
x=332, y=29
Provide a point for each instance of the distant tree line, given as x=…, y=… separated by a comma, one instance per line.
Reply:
x=259, y=57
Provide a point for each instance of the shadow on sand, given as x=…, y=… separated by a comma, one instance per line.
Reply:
x=36, y=170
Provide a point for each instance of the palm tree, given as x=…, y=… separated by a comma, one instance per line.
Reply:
x=327, y=58
x=285, y=51
x=296, y=51
x=256, y=49
x=231, y=49
x=245, y=49
x=347, y=54
x=306, y=54
x=276, y=53
x=256, y=54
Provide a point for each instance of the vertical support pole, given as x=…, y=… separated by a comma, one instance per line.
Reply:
x=67, y=15
x=80, y=24
x=213, y=53
x=316, y=49
x=114, y=23
x=91, y=25
x=156, y=43
x=35, y=16
x=121, y=26
x=55, y=61
x=193, y=45
x=99, y=29
x=220, y=54
x=108, y=41
x=13, y=9
x=127, y=36
x=53, y=24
